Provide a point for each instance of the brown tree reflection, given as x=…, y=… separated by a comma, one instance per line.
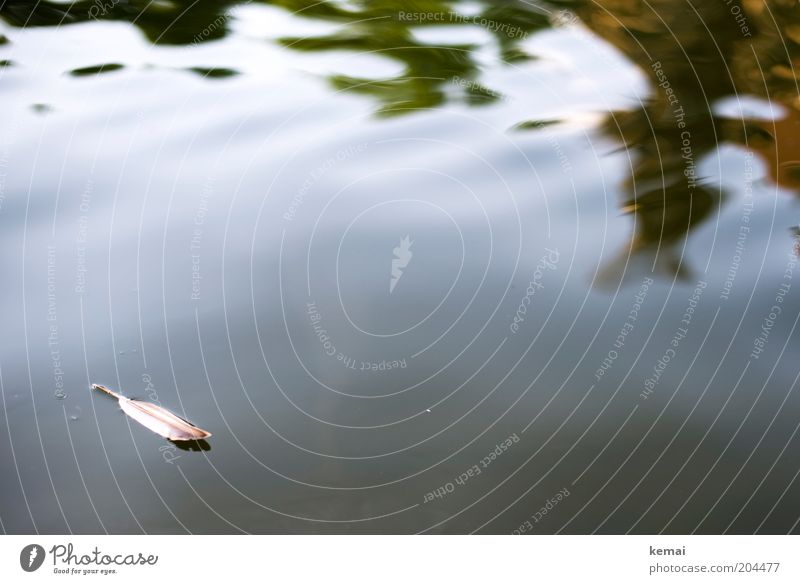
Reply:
x=695, y=53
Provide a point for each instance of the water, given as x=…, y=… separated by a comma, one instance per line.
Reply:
x=416, y=272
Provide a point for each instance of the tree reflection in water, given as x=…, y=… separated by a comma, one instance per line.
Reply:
x=693, y=52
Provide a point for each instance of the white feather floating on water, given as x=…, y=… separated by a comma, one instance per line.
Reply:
x=155, y=418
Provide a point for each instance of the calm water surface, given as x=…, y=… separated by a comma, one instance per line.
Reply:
x=421, y=266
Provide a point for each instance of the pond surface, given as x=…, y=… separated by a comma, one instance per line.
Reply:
x=429, y=266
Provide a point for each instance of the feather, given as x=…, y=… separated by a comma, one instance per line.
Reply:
x=155, y=418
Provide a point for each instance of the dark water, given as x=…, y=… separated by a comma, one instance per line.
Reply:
x=420, y=266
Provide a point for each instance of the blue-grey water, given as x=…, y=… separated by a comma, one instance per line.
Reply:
x=430, y=266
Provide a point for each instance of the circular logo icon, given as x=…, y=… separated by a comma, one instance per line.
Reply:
x=31, y=557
